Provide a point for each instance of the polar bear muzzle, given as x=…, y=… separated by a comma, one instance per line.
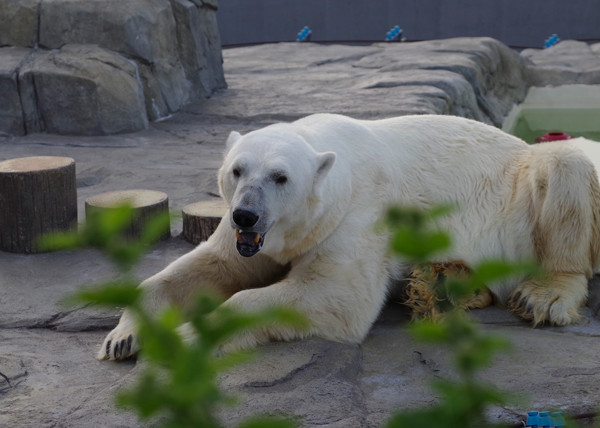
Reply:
x=248, y=243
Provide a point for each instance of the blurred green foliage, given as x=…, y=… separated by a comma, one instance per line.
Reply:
x=179, y=380
x=106, y=230
x=462, y=402
x=178, y=383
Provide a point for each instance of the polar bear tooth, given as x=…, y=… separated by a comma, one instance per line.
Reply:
x=239, y=235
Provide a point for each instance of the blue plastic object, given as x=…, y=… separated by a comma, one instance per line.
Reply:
x=304, y=35
x=532, y=419
x=551, y=41
x=394, y=35
x=558, y=420
x=545, y=420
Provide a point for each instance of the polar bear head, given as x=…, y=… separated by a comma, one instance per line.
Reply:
x=270, y=177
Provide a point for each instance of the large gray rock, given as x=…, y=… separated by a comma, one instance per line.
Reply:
x=482, y=77
x=83, y=90
x=197, y=34
x=173, y=47
x=11, y=115
x=324, y=373
x=143, y=30
x=19, y=23
x=478, y=78
x=568, y=62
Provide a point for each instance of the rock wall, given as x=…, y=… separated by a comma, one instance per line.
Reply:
x=478, y=78
x=568, y=62
x=97, y=67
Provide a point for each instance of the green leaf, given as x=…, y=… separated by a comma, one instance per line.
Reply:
x=285, y=315
x=490, y=271
x=418, y=246
x=428, y=331
x=269, y=422
x=432, y=417
x=118, y=293
x=58, y=241
x=155, y=227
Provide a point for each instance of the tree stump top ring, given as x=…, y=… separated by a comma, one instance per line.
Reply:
x=215, y=208
x=34, y=163
x=136, y=198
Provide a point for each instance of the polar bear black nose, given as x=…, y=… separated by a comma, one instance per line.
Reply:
x=244, y=218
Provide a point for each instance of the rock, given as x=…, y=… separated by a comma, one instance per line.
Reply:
x=594, y=296
x=19, y=23
x=474, y=77
x=172, y=48
x=212, y=4
x=54, y=383
x=482, y=77
x=565, y=63
x=456, y=91
x=11, y=115
x=323, y=373
x=198, y=34
x=143, y=30
x=83, y=90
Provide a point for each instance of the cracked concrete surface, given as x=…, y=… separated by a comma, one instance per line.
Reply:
x=47, y=350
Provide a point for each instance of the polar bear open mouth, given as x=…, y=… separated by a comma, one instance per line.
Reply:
x=248, y=243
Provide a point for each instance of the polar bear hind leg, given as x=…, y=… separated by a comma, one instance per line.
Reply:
x=558, y=189
x=555, y=299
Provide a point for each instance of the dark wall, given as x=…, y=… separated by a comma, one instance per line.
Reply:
x=519, y=23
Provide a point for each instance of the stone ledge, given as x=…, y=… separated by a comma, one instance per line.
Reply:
x=568, y=62
x=165, y=53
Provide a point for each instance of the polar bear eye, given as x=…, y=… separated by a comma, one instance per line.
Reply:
x=236, y=172
x=279, y=178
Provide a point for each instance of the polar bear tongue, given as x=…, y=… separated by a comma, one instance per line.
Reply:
x=248, y=243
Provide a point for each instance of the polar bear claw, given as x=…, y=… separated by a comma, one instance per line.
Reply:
x=554, y=301
x=120, y=343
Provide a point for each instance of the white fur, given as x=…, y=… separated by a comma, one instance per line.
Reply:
x=321, y=253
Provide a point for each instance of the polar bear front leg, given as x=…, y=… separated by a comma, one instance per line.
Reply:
x=122, y=341
x=339, y=302
x=214, y=266
x=555, y=300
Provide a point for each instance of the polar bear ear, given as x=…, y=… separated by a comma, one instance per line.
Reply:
x=325, y=162
x=232, y=139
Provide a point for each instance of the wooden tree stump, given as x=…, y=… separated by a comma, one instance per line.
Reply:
x=201, y=219
x=146, y=204
x=38, y=195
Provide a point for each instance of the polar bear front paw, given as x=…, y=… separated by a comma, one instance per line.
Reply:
x=555, y=301
x=119, y=344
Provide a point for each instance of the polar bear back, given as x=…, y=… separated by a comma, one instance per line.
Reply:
x=414, y=158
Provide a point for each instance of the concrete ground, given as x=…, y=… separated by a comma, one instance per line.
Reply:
x=47, y=350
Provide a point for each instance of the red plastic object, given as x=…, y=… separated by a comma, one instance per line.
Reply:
x=553, y=136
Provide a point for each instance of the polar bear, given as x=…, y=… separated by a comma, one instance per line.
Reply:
x=304, y=198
